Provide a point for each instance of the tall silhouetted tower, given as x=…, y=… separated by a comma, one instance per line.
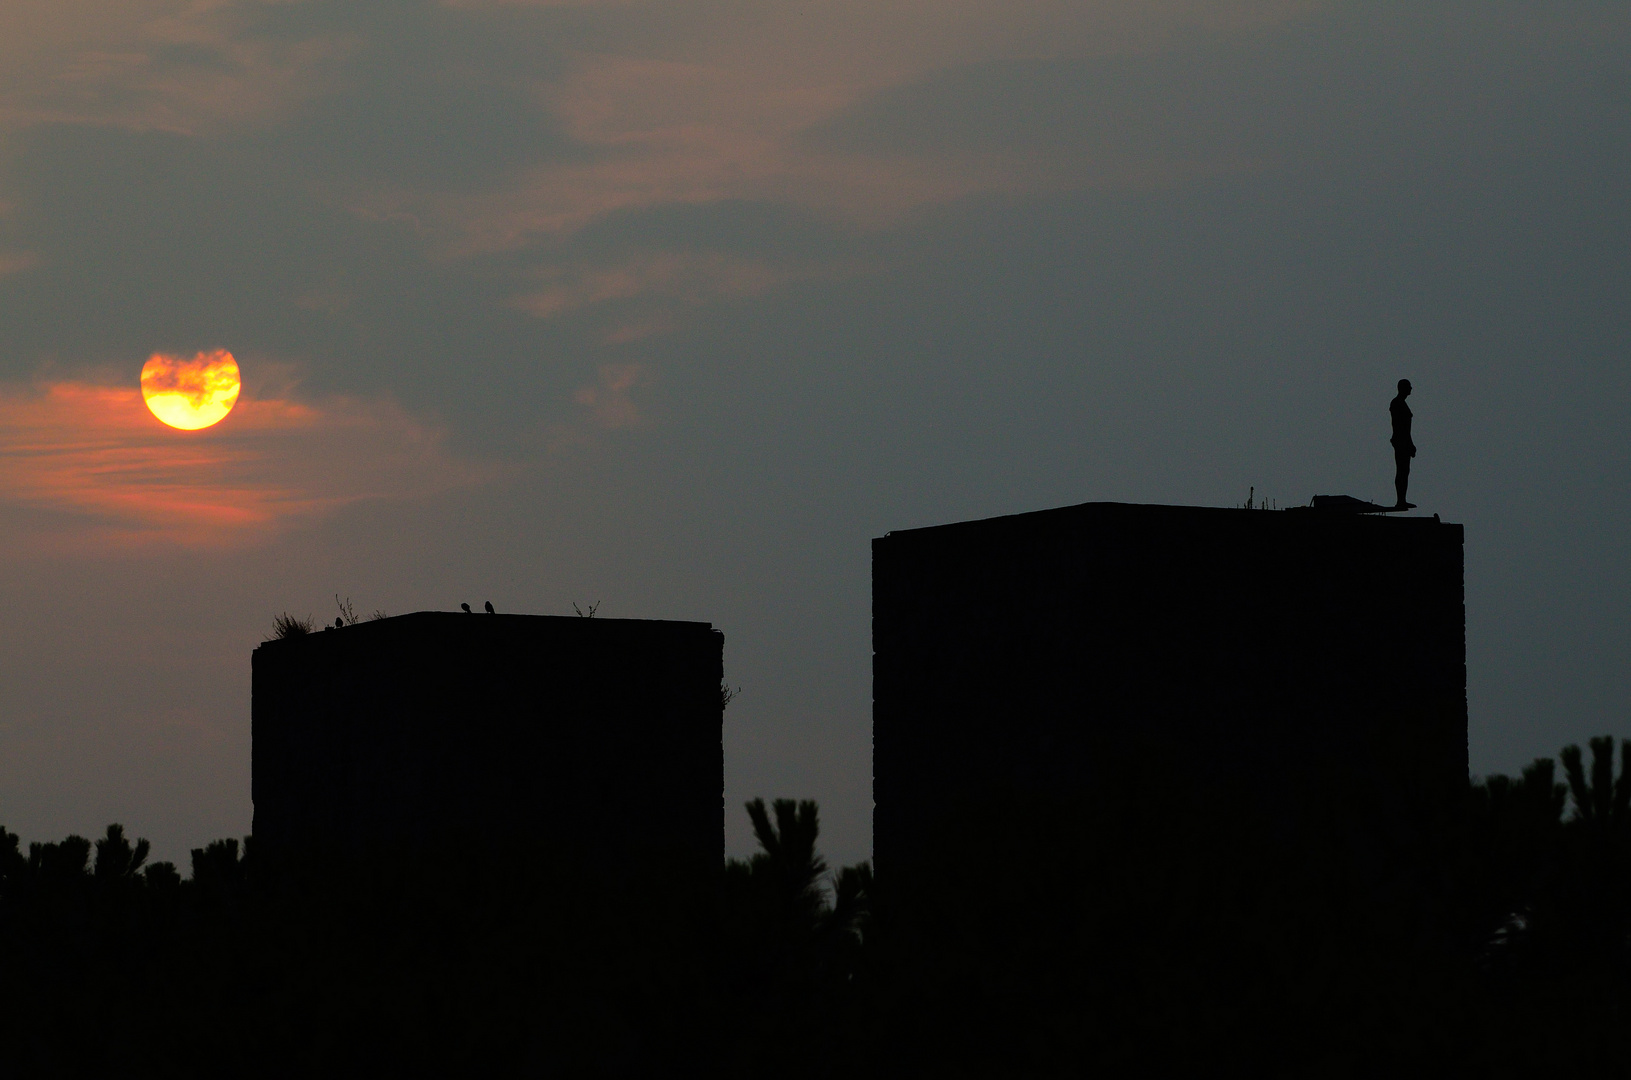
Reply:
x=1263, y=651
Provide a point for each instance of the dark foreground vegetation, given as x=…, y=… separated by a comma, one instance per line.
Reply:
x=1122, y=933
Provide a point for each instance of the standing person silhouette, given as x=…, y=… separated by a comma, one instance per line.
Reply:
x=1403, y=448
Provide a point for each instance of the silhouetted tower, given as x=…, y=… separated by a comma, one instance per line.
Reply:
x=1276, y=653
x=600, y=739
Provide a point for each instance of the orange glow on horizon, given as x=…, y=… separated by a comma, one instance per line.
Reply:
x=89, y=458
x=191, y=394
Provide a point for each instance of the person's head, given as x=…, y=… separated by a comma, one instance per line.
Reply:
x=1404, y=387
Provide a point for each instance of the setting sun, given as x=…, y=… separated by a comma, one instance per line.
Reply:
x=191, y=394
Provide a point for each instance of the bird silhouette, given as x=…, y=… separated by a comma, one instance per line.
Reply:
x=490, y=610
x=466, y=608
x=338, y=622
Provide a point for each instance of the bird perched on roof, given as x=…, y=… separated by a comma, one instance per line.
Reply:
x=490, y=610
x=466, y=608
x=338, y=622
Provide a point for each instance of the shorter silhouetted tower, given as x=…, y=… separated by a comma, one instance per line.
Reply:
x=598, y=739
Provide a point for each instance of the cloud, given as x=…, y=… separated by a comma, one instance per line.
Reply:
x=689, y=279
x=610, y=400
x=94, y=457
x=649, y=295
x=696, y=169
x=144, y=65
x=433, y=116
x=706, y=101
x=657, y=132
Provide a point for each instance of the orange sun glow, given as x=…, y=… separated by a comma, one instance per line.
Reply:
x=191, y=394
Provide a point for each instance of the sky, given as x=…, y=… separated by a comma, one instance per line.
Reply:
x=673, y=305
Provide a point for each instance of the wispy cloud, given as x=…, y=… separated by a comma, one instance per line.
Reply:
x=689, y=103
x=97, y=456
x=661, y=133
x=610, y=400
x=687, y=279
x=646, y=103
x=170, y=65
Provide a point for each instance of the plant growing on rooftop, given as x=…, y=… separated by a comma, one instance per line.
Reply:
x=288, y=626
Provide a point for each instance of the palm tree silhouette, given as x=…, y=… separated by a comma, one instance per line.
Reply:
x=116, y=860
x=1601, y=800
x=791, y=931
x=789, y=861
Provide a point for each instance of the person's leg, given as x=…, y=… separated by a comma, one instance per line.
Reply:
x=1401, y=474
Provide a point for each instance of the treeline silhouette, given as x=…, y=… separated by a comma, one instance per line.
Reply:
x=1124, y=930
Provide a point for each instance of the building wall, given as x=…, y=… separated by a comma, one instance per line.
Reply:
x=593, y=737
x=1269, y=651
